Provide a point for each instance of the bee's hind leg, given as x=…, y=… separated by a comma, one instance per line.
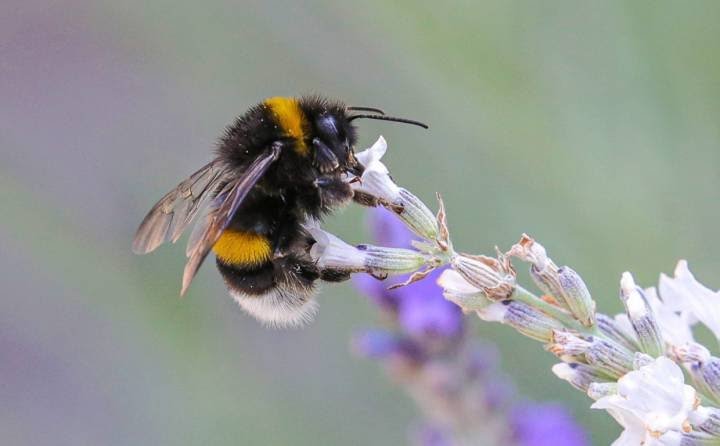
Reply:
x=334, y=275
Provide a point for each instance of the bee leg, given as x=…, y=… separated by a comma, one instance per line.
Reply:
x=333, y=191
x=325, y=160
x=334, y=275
x=365, y=199
x=283, y=233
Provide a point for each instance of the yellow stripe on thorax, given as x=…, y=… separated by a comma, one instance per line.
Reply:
x=242, y=248
x=291, y=119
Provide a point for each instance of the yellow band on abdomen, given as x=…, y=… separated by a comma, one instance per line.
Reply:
x=291, y=119
x=242, y=248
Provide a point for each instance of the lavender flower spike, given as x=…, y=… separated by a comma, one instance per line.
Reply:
x=453, y=381
x=626, y=362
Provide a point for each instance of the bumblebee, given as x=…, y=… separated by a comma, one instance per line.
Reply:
x=281, y=165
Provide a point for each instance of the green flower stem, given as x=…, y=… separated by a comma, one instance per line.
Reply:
x=525, y=296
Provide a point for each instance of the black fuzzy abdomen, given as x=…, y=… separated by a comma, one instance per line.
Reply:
x=290, y=274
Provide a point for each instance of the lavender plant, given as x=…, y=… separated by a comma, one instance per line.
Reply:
x=454, y=380
x=633, y=365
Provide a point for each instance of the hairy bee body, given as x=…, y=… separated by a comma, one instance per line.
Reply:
x=262, y=254
x=316, y=140
x=282, y=165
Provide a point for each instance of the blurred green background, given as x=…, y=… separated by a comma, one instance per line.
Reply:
x=593, y=126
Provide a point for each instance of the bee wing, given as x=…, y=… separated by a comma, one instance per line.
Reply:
x=167, y=220
x=221, y=212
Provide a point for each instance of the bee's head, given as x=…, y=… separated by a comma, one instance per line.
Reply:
x=334, y=139
x=334, y=136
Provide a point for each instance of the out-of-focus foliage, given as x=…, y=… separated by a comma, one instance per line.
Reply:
x=592, y=126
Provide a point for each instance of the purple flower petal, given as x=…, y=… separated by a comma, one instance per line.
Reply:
x=546, y=425
x=423, y=310
x=388, y=230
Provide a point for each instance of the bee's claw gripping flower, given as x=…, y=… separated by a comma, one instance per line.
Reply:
x=376, y=182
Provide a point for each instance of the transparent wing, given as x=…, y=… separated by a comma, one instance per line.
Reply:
x=221, y=212
x=167, y=220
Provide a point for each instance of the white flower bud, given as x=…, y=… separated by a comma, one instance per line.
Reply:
x=617, y=331
x=711, y=422
x=380, y=260
x=543, y=271
x=460, y=292
x=709, y=374
x=579, y=375
x=609, y=358
x=604, y=355
x=330, y=252
x=529, y=321
x=576, y=296
x=485, y=273
x=568, y=346
x=690, y=352
x=641, y=316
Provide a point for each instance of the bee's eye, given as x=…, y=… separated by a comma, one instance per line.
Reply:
x=328, y=126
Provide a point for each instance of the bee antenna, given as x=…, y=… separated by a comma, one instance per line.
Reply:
x=367, y=109
x=389, y=118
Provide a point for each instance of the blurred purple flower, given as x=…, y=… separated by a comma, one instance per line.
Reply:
x=546, y=425
x=388, y=230
x=376, y=290
x=381, y=344
x=424, y=311
x=427, y=435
